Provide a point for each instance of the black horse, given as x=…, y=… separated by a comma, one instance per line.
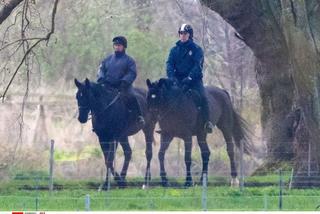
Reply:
x=113, y=123
x=178, y=116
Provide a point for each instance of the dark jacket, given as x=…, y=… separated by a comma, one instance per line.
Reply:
x=116, y=68
x=185, y=59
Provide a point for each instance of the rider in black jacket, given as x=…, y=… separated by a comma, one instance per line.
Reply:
x=184, y=64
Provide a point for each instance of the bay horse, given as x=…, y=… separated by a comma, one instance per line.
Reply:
x=177, y=112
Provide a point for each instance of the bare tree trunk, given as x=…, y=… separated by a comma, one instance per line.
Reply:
x=265, y=39
x=229, y=67
x=285, y=37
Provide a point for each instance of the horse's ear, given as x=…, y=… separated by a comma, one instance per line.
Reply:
x=77, y=83
x=87, y=82
x=161, y=82
x=164, y=82
x=149, y=84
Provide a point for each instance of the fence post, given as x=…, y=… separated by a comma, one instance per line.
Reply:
x=87, y=202
x=241, y=166
x=265, y=201
x=37, y=196
x=179, y=155
x=109, y=180
x=37, y=203
x=309, y=159
x=291, y=178
x=280, y=189
x=51, y=162
x=204, y=191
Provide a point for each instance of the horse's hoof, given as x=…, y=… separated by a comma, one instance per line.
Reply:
x=235, y=182
x=122, y=184
x=103, y=187
x=100, y=188
x=147, y=180
x=165, y=183
x=188, y=184
x=146, y=184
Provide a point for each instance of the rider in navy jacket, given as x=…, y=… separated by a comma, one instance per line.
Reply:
x=185, y=60
x=185, y=63
x=119, y=70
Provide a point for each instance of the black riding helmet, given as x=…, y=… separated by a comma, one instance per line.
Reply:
x=186, y=28
x=121, y=40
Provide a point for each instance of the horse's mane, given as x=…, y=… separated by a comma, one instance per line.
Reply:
x=175, y=89
x=103, y=88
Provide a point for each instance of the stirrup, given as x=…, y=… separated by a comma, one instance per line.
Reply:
x=208, y=127
x=141, y=121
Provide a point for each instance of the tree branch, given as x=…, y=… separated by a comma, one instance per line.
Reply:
x=19, y=40
x=46, y=38
x=7, y=9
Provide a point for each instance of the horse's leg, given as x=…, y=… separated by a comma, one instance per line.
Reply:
x=108, y=148
x=110, y=161
x=165, y=142
x=105, y=148
x=149, y=140
x=188, y=160
x=127, y=157
x=205, y=153
x=230, y=149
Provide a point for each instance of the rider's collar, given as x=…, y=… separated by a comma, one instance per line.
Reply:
x=187, y=43
x=119, y=54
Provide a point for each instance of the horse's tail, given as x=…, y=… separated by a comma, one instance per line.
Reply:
x=242, y=133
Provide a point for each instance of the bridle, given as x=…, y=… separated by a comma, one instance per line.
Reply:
x=110, y=104
x=104, y=109
x=171, y=107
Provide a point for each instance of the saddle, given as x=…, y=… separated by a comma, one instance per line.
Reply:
x=195, y=96
x=130, y=101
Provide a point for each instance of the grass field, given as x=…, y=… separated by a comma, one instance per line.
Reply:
x=70, y=195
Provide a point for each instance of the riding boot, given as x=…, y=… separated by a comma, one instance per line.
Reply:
x=208, y=126
x=134, y=106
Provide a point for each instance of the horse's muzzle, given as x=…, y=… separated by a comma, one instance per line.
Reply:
x=83, y=119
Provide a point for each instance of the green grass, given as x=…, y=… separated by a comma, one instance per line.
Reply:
x=23, y=195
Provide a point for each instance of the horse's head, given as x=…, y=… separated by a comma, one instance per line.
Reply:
x=83, y=99
x=161, y=92
x=93, y=97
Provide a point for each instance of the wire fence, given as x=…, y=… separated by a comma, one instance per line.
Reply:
x=182, y=203
x=267, y=191
x=259, y=193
